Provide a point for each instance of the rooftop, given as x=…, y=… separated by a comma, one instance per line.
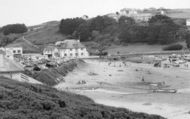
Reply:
x=70, y=44
x=8, y=65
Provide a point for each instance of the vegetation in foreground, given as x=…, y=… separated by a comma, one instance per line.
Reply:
x=27, y=101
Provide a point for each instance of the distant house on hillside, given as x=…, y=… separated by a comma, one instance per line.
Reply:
x=69, y=48
x=136, y=14
x=143, y=17
x=188, y=22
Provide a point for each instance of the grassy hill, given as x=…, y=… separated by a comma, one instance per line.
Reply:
x=44, y=33
x=28, y=47
x=179, y=13
x=27, y=101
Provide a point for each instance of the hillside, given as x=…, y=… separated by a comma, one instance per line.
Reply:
x=48, y=32
x=179, y=13
x=26, y=101
x=44, y=33
x=28, y=47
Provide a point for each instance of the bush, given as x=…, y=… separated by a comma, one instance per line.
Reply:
x=173, y=47
x=27, y=101
x=14, y=28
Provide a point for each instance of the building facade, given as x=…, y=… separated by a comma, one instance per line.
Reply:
x=188, y=22
x=70, y=48
x=11, y=52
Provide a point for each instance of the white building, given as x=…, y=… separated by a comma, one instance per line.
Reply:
x=11, y=52
x=70, y=48
x=34, y=56
x=50, y=51
x=188, y=22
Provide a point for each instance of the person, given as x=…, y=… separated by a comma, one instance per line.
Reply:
x=142, y=79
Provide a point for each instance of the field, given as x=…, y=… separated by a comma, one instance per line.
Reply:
x=122, y=86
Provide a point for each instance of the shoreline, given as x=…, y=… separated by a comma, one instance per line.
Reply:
x=116, y=99
x=121, y=86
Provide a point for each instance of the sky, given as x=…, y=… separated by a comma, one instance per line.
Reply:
x=33, y=12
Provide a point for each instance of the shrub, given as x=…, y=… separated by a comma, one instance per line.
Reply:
x=14, y=28
x=173, y=47
x=24, y=101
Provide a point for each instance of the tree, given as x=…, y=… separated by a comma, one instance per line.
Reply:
x=160, y=19
x=187, y=39
x=102, y=43
x=5, y=40
x=124, y=20
x=83, y=31
x=68, y=26
x=162, y=30
x=100, y=23
x=14, y=28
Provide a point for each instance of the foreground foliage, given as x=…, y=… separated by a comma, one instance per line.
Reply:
x=26, y=101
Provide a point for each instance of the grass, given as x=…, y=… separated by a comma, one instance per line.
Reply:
x=27, y=101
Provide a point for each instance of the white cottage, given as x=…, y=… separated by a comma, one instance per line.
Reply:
x=188, y=22
x=11, y=52
x=70, y=48
x=50, y=51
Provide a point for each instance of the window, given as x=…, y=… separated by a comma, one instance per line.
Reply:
x=65, y=55
x=71, y=49
x=82, y=54
x=14, y=51
x=71, y=54
x=76, y=54
x=82, y=48
x=19, y=51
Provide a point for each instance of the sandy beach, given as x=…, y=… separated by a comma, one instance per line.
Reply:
x=121, y=85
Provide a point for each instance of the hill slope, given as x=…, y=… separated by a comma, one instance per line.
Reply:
x=26, y=101
x=26, y=45
x=44, y=33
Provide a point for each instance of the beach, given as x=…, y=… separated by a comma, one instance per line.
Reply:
x=130, y=85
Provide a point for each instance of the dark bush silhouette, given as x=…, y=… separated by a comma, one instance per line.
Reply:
x=174, y=47
x=14, y=28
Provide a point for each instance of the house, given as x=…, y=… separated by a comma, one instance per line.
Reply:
x=34, y=56
x=188, y=22
x=143, y=17
x=13, y=70
x=69, y=48
x=11, y=52
x=72, y=48
x=50, y=51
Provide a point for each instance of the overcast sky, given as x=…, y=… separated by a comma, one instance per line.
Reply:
x=33, y=12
